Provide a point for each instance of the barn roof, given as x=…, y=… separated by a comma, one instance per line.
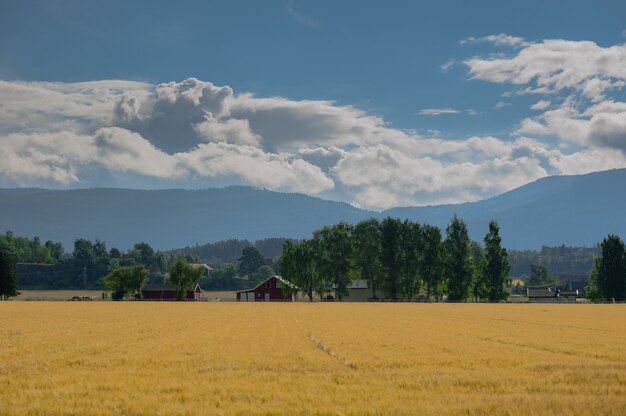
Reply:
x=280, y=279
x=156, y=287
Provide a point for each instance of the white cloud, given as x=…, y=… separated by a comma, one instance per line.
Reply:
x=273, y=171
x=501, y=104
x=583, y=70
x=448, y=65
x=500, y=40
x=554, y=65
x=437, y=111
x=194, y=132
x=540, y=105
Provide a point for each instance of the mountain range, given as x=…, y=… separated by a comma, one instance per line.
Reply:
x=573, y=210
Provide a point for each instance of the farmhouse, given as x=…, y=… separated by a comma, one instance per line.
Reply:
x=551, y=296
x=357, y=292
x=270, y=289
x=162, y=291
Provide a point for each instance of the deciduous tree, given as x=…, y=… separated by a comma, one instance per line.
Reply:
x=183, y=277
x=391, y=230
x=126, y=279
x=297, y=265
x=368, y=253
x=458, y=267
x=540, y=276
x=496, y=266
x=334, y=253
x=611, y=270
x=432, y=259
x=411, y=251
x=8, y=277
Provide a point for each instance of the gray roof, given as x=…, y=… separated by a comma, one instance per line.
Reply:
x=358, y=284
x=548, y=293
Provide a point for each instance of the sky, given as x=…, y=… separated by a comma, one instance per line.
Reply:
x=375, y=103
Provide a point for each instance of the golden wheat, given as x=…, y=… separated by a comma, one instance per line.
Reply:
x=240, y=358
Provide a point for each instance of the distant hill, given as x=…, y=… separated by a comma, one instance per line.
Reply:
x=572, y=210
x=166, y=218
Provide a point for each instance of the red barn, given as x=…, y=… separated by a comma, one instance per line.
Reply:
x=161, y=291
x=270, y=289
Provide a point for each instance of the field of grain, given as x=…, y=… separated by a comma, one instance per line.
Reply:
x=242, y=358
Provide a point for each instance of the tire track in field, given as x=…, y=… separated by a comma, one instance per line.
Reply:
x=320, y=345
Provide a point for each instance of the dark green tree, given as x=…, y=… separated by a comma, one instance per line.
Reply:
x=183, y=277
x=411, y=255
x=540, y=276
x=8, y=277
x=391, y=234
x=479, y=281
x=591, y=290
x=496, y=266
x=368, y=253
x=297, y=265
x=334, y=253
x=250, y=261
x=458, y=263
x=611, y=270
x=432, y=259
x=126, y=279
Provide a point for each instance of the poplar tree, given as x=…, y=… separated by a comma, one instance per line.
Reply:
x=368, y=253
x=431, y=264
x=458, y=263
x=334, y=254
x=611, y=270
x=496, y=266
x=391, y=233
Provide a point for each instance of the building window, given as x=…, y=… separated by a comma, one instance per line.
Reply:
x=268, y=285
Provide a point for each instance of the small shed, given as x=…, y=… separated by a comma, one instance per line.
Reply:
x=162, y=291
x=270, y=289
x=542, y=295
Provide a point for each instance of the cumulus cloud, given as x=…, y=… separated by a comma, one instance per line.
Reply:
x=583, y=71
x=554, y=65
x=199, y=134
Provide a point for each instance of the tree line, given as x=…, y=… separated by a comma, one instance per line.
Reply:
x=607, y=281
x=399, y=260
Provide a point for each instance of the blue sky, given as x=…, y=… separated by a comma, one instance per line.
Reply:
x=374, y=103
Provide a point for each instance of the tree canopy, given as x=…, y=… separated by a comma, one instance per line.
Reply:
x=608, y=279
x=126, y=279
x=496, y=265
x=183, y=277
x=458, y=267
x=8, y=277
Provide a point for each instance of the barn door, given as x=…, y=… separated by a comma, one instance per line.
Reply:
x=267, y=297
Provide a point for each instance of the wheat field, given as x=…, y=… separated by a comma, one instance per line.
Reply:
x=139, y=358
